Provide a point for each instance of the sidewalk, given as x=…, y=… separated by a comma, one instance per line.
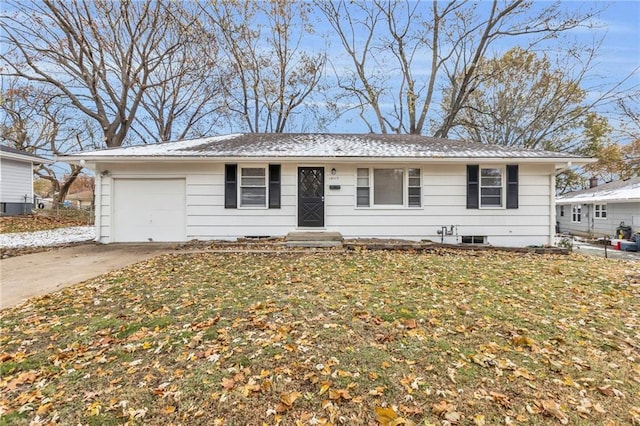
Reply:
x=582, y=247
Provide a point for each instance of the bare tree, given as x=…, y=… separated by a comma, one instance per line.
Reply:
x=629, y=109
x=191, y=103
x=273, y=76
x=431, y=46
x=628, y=106
x=34, y=120
x=101, y=56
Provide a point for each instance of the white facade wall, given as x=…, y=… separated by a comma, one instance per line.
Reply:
x=16, y=179
x=443, y=204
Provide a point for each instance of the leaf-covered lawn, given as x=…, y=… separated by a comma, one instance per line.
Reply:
x=332, y=338
x=44, y=220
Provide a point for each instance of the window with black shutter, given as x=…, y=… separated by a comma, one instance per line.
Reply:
x=252, y=187
x=230, y=186
x=512, y=186
x=274, y=186
x=473, y=189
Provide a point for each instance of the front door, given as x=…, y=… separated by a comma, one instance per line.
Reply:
x=310, y=197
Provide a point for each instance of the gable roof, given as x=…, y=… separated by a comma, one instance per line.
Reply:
x=298, y=145
x=619, y=191
x=18, y=155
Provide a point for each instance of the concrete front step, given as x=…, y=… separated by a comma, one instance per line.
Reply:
x=314, y=244
x=314, y=236
x=314, y=239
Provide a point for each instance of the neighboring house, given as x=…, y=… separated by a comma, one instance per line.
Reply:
x=599, y=210
x=16, y=180
x=81, y=200
x=361, y=185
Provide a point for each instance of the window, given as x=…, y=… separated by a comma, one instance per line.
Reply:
x=490, y=187
x=415, y=188
x=388, y=186
x=561, y=211
x=473, y=239
x=252, y=186
x=362, y=188
x=600, y=211
x=576, y=213
x=486, y=186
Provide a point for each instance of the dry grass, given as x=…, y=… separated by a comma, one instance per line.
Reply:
x=331, y=338
x=44, y=220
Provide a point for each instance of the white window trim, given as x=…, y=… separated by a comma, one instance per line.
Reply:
x=405, y=189
x=574, y=214
x=503, y=186
x=265, y=167
x=597, y=214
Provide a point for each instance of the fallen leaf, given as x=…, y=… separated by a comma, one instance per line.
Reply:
x=409, y=323
x=388, y=417
x=442, y=407
x=385, y=415
x=288, y=398
x=553, y=409
x=228, y=383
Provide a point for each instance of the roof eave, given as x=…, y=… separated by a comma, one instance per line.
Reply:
x=25, y=158
x=560, y=162
x=596, y=200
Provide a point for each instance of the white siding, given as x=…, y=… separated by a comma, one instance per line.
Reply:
x=591, y=226
x=16, y=181
x=443, y=204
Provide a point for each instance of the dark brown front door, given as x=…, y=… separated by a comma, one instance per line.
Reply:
x=310, y=197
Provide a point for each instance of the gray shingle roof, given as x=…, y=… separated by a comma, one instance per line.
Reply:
x=20, y=155
x=255, y=145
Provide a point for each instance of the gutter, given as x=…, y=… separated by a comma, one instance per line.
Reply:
x=565, y=162
x=25, y=158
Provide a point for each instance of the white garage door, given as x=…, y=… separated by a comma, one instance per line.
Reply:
x=149, y=210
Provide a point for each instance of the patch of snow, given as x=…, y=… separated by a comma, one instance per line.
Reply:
x=630, y=194
x=48, y=238
x=164, y=148
x=287, y=145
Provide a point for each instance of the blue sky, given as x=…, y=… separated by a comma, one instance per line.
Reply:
x=619, y=56
x=621, y=48
x=617, y=27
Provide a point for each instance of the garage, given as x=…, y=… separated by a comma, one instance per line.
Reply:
x=149, y=210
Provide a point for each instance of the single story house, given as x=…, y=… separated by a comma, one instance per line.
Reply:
x=360, y=185
x=16, y=180
x=81, y=200
x=598, y=211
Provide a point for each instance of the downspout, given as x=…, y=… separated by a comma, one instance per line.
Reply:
x=552, y=200
x=97, y=203
x=552, y=209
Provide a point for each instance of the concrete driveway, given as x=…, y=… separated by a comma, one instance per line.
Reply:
x=37, y=274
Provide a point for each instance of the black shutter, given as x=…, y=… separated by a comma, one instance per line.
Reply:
x=473, y=186
x=274, y=186
x=230, y=186
x=512, y=186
